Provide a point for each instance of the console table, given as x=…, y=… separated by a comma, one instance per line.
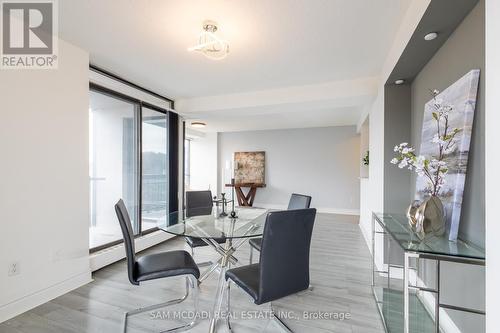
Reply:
x=394, y=303
x=246, y=200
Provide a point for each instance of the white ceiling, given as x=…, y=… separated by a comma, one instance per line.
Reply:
x=273, y=44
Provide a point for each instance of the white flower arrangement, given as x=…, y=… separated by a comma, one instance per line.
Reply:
x=434, y=168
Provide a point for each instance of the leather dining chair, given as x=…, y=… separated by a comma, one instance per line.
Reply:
x=297, y=201
x=283, y=268
x=157, y=266
x=199, y=203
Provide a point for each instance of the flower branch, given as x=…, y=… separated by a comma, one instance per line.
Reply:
x=433, y=168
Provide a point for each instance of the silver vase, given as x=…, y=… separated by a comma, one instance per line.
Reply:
x=427, y=218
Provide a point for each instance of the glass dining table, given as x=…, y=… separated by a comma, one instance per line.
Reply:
x=210, y=224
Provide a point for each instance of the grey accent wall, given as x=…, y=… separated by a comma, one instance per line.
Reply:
x=322, y=162
x=397, y=182
x=397, y=121
x=463, y=51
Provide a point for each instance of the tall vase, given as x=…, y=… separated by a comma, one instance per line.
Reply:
x=427, y=218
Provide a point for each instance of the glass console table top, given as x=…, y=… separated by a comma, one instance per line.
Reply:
x=209, y=223
x=397, y=226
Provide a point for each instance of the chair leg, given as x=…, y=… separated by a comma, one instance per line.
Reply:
x=280, y=321
x=192, y=282
x=251, y=254
x=305, y=291
x=228, y=308
x=201, y=264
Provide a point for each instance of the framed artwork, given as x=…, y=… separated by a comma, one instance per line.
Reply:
x=461, y=98
x=250, y=167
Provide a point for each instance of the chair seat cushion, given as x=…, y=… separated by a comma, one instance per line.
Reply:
x=247, y=277
x=256, y=243
x=197, y=242
x=159, y=265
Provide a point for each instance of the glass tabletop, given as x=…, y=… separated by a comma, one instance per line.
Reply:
x=397, y=226
x=208, y=223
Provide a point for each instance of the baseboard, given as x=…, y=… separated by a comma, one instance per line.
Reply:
x=97, y=260
x=115, y=253
x=31, y=301
x=340, y=211
x=327, y=210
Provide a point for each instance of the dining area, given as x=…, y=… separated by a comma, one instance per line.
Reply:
x=311, y=273
x=281, y=237
x=234, y=171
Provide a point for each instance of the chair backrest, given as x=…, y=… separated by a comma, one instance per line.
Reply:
x=284, y=255
x=128, y=239
x=198, y=203
x=299, y=201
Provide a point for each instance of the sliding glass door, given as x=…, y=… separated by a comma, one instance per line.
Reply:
x=129, y=160
x=154, y=167
x=114, y=168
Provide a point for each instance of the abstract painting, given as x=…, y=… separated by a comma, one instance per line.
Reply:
x=249, y=167
x=461, y=96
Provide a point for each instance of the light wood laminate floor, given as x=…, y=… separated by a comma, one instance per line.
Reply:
x=340, y=273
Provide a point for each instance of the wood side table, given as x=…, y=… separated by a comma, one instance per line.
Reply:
x=246, y=200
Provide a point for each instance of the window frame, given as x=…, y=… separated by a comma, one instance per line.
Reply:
x=166, y=113
x=140, y=104
x=187, y=163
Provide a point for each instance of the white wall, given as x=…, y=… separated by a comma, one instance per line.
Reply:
x=375, y=198
x=364, y=189
x=322, y=162
x=492, y=162
x=204, y=162
x=376, y=112
x=44, y=192
x=364, y=133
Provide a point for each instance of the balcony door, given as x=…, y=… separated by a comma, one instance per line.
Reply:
x=155, y=171
x=130, y=160
x=114, y=167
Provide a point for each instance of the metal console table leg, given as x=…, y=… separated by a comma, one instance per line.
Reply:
x=399, y=232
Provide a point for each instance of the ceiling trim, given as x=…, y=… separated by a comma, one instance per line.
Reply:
x=340, y=93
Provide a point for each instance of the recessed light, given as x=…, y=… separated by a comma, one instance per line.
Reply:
x=431, y=36
x=198, y=124
x=400, y=81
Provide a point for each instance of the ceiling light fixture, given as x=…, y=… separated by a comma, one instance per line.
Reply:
x=431, y=36
x=209, y=44
x=399, y=82
x=198, y=124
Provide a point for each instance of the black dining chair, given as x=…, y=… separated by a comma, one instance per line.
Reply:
x=283, y=268
x=156, y=266
x=297, y=201
x=199, y=203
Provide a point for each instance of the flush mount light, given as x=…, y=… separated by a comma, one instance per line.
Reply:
x=198, y=124
x=400, y=81
x=431, y=36
x=209, y=44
